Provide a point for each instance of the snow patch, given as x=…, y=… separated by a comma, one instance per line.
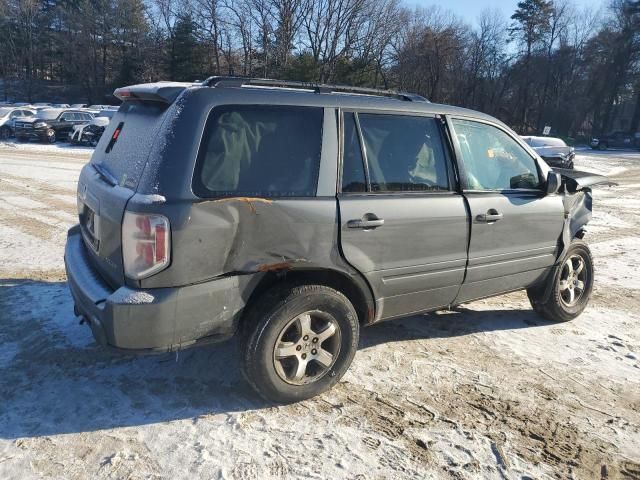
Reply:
x=61, y=147
x=131, y=297
x=148, y=199
x=617, y=262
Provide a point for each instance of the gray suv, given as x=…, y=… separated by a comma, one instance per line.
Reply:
x=293, y=215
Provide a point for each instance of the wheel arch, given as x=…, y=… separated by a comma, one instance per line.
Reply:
x=350, y=285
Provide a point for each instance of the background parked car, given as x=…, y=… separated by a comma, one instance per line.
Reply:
x=8, y=116
x=615, y=140
x=90, y=133
x=49, y=124
x=553, y=150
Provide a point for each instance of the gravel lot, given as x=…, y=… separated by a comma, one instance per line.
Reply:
x=486, y=391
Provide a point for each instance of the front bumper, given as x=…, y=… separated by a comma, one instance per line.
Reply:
x=559, y=162
x=31, y=133
x=152, y=320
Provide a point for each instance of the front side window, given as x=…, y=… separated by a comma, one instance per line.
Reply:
x=404, y=153
x=263, y=151
x=493, y=160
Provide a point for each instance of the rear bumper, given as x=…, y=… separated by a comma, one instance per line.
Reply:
x=152, y=320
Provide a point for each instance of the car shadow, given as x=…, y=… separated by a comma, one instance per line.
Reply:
x=457, y=322
x=54, y=379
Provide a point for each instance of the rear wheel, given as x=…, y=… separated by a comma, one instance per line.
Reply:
x=571, y=289
x=5, y=133
x=603, y=146
x=298, y=342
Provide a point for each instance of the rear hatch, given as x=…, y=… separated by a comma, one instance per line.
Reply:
x=112, y=177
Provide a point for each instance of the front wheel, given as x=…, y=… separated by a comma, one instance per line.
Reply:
x=50, y=136
x=5, y=133
x=298, y=342
x=571, y=289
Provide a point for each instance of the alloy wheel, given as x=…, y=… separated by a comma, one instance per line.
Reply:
x=573, y=280
x=307, y=348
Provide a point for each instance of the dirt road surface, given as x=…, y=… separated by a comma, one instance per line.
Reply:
x=489, y=390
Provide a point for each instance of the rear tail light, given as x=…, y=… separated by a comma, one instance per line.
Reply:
x=146, y=242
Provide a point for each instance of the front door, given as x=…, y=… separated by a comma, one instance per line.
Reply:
x=402, y=224
x=515, y=226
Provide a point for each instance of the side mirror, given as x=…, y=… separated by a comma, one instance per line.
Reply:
x=554, y=181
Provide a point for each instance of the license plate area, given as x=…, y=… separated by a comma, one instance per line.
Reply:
x=90, y=230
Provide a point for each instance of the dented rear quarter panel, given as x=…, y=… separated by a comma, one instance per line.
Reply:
x=241, y=236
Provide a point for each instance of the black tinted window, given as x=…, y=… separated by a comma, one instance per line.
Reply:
x=353, y=178
x=404, y=153
x=260, y=151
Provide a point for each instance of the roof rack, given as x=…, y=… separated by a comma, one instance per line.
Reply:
x=230, y=81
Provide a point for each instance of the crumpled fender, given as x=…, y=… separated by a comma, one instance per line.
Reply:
x=578, y=206
x=577, y=213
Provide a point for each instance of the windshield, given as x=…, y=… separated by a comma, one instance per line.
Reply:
x=5, y=111
x=48, y=114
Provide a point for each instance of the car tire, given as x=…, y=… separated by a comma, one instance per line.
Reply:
x=571, y=289
x=50, y=136
x=22, y=139
x=603, y=146
x=298, y=341
x=5, y=133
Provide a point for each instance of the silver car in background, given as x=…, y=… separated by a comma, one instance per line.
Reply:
x=553, y=150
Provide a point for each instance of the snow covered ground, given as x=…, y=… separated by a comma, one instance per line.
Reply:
x=487, y=391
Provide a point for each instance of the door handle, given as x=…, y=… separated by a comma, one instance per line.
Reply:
x=369, y=220
x=492, y=215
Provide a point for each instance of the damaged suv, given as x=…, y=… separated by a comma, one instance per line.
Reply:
x=293, y=215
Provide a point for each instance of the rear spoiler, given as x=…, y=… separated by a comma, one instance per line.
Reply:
x=165, y=92
x=576, y=180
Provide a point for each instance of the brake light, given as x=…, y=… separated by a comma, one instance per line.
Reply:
x=114, y=137
x=145, y=244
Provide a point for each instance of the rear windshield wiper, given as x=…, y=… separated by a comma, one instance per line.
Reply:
x=104, y=174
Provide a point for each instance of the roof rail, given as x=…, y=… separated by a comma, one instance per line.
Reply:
x=230, y=81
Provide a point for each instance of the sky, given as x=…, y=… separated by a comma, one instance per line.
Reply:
x=470, y=10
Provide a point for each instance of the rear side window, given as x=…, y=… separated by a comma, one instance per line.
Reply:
x=261, y=151
x=404, y=153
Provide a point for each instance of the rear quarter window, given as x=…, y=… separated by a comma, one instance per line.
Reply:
x=260, y=151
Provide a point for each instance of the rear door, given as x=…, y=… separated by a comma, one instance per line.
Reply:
x=403, y=226
x=515, y=226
